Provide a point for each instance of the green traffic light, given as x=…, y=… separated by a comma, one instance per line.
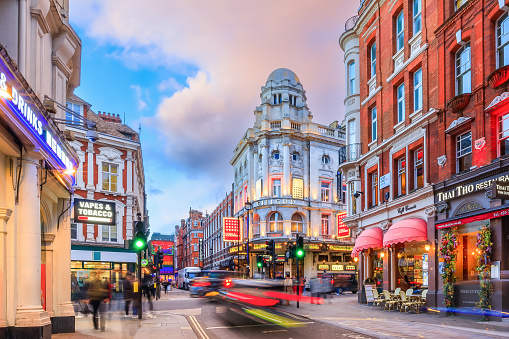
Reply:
x=300, y=253
x=259, y=264
x=139, y=243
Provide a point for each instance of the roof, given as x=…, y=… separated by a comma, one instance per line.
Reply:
x=281, y=74
x=112, y=128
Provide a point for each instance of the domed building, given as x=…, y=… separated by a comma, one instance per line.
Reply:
x=286, y=167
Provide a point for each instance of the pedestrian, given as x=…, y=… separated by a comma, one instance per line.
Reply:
x=147, y=290
x=96, y=294
x=128, y=291
x=105, y=303
x=407, y=282
x=288, y=286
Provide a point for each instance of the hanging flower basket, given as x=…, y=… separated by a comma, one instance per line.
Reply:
x=498, y=77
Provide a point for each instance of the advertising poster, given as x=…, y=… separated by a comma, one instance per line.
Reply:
x=167, y=248
x=343, y=230
x=232, y=229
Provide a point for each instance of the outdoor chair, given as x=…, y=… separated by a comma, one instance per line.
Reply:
x=396, y=292
x=409, y=292
x=389, y=301
x=406, y=302
x=378, y=300
x=422, y=300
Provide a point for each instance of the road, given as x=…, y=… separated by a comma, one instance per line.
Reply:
x=210, y=320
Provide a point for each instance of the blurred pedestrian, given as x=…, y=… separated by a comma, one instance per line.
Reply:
x=147, y=291
x=128, y=291
x=97, y=293
x=288, y=286
x=105, y=303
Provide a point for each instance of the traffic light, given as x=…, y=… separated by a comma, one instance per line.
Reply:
x=299, y=252
x=271, y=248
x=139, y=242
x=290, y=250
x=259, y=261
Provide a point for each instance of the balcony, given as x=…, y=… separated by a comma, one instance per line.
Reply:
x=349, y=153
x=459, y=102
x=499, y=77
x=275, y=124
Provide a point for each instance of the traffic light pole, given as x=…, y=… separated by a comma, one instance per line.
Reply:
x=140, y=291
x=298, y=281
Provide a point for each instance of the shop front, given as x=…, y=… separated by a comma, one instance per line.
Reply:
x=369, y=250
x=472, y=229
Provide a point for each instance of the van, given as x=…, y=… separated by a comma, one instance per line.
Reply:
x=185, y=275
x=344, y=282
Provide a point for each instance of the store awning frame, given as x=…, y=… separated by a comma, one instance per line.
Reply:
x=369, y=238
x=408, y=230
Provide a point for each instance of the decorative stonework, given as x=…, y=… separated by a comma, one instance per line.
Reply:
x=459, y=102
x=430, y=210
x=372, y=161
x=414, y=136
x=502, y=97
x=5, y=213
x=498, y=77
x=458, y=122
x=385, y=224
x=441, y=160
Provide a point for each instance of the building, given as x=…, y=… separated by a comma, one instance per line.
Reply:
x=189, y=241
x=40, y=55
x=163, y=243
x=391, y=66
x=217, y=251
x=110, y=170
x=286, y=166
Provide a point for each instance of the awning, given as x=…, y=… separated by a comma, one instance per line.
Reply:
x=405, y=231
x=370, y=238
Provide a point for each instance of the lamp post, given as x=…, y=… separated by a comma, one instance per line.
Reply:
x=248, y=209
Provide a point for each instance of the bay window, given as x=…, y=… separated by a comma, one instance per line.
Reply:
x=351, y=78
x=353, y=199
x=503, y=41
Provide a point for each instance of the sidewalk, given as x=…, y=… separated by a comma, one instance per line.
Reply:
x=117, y=326
x=344, y=311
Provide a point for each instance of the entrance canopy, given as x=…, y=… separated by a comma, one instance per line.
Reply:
x=370, y=238
x=405, y=231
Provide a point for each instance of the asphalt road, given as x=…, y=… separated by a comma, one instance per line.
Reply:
x=211, y=320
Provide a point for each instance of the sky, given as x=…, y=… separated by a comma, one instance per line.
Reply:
x=188, y=75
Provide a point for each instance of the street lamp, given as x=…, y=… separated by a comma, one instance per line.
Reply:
x=248, y=207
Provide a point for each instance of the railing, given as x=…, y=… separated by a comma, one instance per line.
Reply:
x=275, y=124
x=325, y=130
x=349, y=153
x=350, y=23
x=295, y=126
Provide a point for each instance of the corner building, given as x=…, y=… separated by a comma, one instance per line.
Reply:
x=390, y=105
x=285, y=165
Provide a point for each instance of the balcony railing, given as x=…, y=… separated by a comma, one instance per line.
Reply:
x=295, y=126
x=325, y=130
x=275, y=124
x=349, y=153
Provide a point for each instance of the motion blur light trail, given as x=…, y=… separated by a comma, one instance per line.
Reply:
x=252, y=300
x=471, y=311
x=274, y=318
x=293, y=297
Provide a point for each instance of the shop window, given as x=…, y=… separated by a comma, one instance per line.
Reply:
x=503, y=41
x=297, y=223
x=353, y=199
x=464, y=152
x=503, y=135
x=412, y=266
x=109, y=177
x=351, y=78
x=418, y=90
x=374, y=189
x=74, y=231
x=109, y=233
x=468, y=251
x=372, y=59
x=400, y=31
x=417, y=24
x=419, y=168
x=401, y=176
x=463, y=75
x=373, y=124
x=378, y=268
x=325, y=224
x=325, y=191
x=275, y=222
x=276, y=188
x=401, y=102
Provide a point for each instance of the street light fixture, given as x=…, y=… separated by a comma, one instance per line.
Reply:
x=248, y=207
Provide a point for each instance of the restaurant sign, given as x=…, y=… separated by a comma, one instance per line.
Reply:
x=340, y=248
x=500, y=190
x=94, y=212
x=483, y=216
x=323, y=267
x=474, y=187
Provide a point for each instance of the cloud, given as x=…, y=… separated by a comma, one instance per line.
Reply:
x=138, y=91
x=170, y=84
x=155, y=191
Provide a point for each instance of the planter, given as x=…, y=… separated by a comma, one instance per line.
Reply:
x=498, y=77
x=459, y=102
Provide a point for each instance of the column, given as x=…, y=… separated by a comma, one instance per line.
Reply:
x=265, y=168
x=129, y=160
x=254, y=173
x=5, y=214
x=62, y=266
x=306, y=150
x=286, y=168
x=29, y=312
x=90, y=167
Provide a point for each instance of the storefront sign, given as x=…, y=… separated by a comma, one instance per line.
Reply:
x=200, y=249
x=312, y=247
x=274, y=202
x=280, y=258
x=467, y=295
x=323, y=267
x=484, y=216
x=343, y=230
x=350, y=268
x=25, y=110
x=500, y=190
x=340, y=248
x=406, y=208
x=461, y=190
x=232, y=229
x=94, y=212
x=337, y=267
x=385, y=180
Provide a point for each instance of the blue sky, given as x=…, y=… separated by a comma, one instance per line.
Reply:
x=190, y=73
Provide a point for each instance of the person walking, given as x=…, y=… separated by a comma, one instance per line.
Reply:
x=96, y=294
x=128, y=291
x=147, y=290
x=288, y=286
x=105, y=303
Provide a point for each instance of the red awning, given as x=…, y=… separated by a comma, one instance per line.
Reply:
x=370, y=238
x=405, y=231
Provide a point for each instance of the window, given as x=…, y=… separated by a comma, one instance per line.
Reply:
x=401, y=103
x=463, y=76
x=71, y=118
x=110, y=177
x=276, y=155
x=297, y=223
x=401, y=176
x=351, y=78
x=325, y=159
x=417, y=16
x=373, y=124
x=256, y=224
x=503, y=135
x=277, y=99
x=352, y=198
x=352, y=139
x=276, y=188
x=276, y=222
x=74, y=231
x=418, y=90
x=374, y=189
x=503, y=41
x=464, y=152
x=295, y=156
x=325, y=191
x=419, y=168
x=400, y=31
x=325, y=224
x=109, y=233
x=460, y=3
x=373, y=59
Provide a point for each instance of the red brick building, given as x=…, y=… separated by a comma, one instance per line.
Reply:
x=189, y=241
x=217, y=251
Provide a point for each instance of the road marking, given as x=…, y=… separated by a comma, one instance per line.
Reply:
x=274, y=331
x=258, y=325
x=200, y=330
x=186, y=328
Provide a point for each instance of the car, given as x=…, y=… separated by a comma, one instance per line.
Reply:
x=344, y=282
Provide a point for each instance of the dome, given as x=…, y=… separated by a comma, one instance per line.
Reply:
x=281, y=74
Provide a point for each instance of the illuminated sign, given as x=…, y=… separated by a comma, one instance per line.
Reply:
x=280, y=258
x=500, y=190
x=312, y=247
x=323, y=267
x=232, y=229
x=343, y=230
x=350, y=268
x=94, y=212
x=461, y=190
x=23, y=107
x=259, y=246
x=340, y=248
x=144, y=262
x=162, y=246
x=337, y=267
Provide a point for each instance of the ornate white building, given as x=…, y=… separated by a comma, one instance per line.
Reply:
x=286, y=166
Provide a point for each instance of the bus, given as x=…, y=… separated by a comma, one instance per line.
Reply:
x=185, y=275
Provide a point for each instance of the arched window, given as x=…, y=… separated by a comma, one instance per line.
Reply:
x=463, y=75
x=297, y=224
x=275, y=222
x=325, y=159
x=503, y=41
x=295, y=156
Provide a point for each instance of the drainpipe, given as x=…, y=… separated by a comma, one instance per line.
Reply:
x=22, y=36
